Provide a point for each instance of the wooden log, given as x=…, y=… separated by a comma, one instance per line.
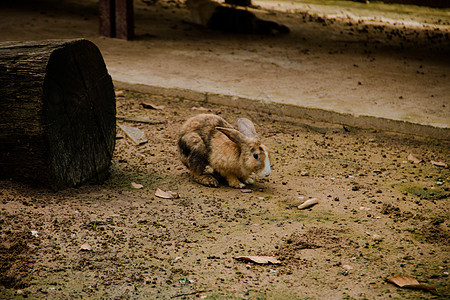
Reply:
x=57, y=113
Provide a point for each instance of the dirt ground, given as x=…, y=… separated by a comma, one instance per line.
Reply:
x=378, y=214
x=378, y=60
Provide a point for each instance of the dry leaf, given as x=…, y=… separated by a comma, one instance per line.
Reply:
x=402, y=280
x=135, y=134
x=439, y=164
x=166, y=195
x=259, y=259
x=199, y=108
x=85, y=247
x=408, y=282
x=246, y=191
x=137, y=185
x=413, y=159
x=152, y=106
x=308, y=203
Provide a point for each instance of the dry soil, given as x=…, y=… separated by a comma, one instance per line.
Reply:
x=378, y=215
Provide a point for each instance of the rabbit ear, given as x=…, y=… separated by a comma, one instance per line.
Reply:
x=247, y=128
x=232, y=134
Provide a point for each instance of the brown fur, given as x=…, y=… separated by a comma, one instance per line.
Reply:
x=208, y=140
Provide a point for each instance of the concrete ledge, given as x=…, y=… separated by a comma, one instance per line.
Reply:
x=430, y=3
x=365, y=122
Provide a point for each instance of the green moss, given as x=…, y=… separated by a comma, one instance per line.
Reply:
x=423, y=192
x=11, y=294
x=216, y=296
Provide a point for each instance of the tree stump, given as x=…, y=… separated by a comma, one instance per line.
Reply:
x=57, y=113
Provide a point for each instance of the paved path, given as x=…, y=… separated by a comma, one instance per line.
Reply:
x=357, y=70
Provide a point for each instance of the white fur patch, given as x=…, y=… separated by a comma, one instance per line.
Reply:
x=267, y=170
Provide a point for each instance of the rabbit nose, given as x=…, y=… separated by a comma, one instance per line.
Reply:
x=267, y=170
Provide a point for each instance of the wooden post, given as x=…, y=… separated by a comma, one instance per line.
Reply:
x=106, y=16
x=124, y=19
x=116, y=18
x=57, y=113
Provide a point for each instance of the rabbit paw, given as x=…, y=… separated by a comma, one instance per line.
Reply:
x=249, y=181
x=238, y=186
x=207, y=180
x=235, y=183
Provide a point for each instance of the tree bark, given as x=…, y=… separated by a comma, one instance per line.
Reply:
x=57, y=113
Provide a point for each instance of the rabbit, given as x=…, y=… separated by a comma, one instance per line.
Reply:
x=208, y=141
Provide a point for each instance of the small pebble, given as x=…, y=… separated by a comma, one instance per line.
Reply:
x=377, y=238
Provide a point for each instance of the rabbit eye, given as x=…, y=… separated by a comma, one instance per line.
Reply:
x=255, y=156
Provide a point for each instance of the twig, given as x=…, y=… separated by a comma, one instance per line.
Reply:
x=192, y=293
x=137, y=120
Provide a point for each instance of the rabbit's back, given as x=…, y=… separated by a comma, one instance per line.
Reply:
x=195, y=139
